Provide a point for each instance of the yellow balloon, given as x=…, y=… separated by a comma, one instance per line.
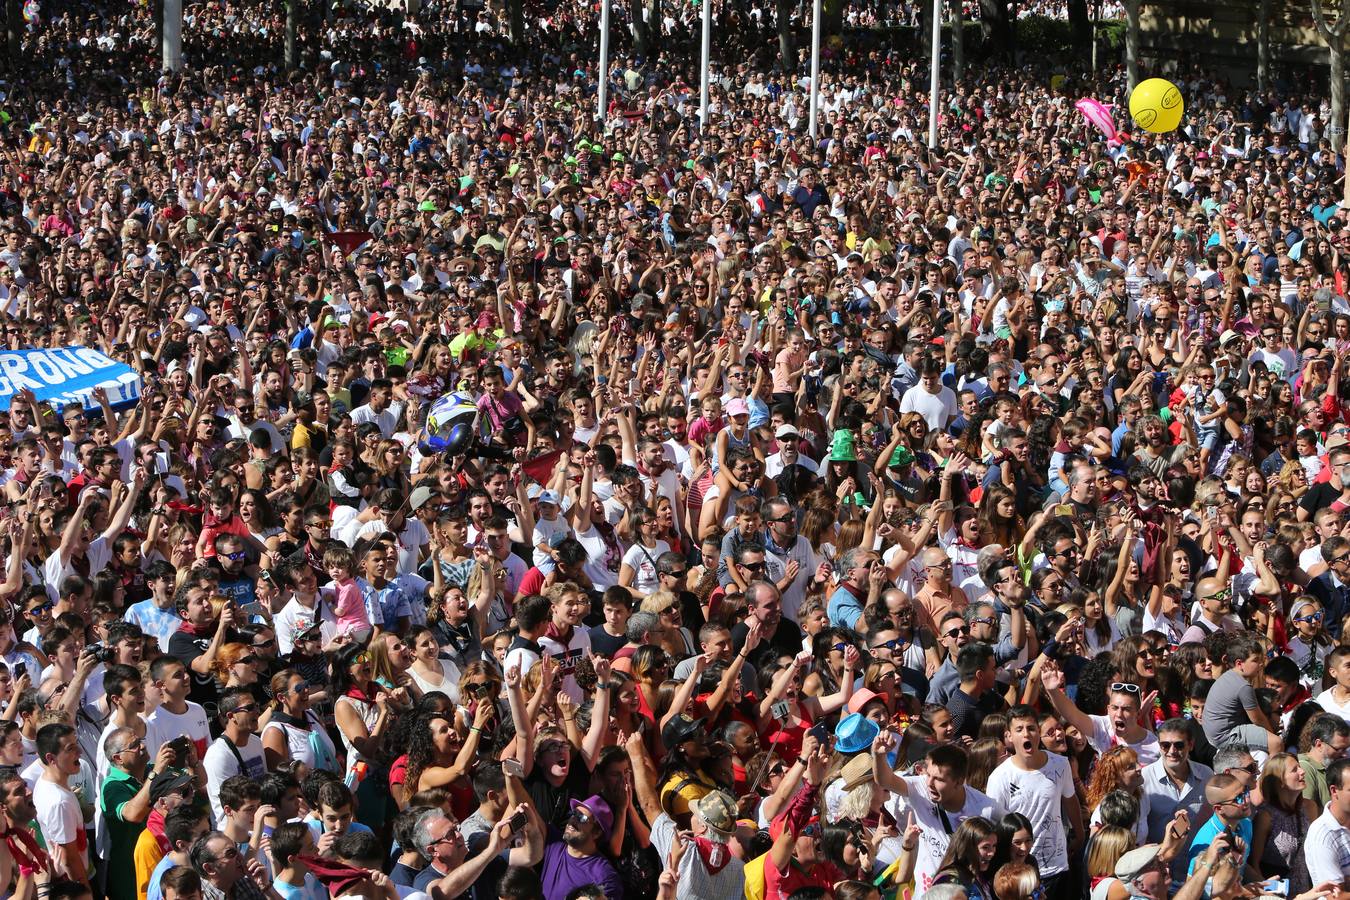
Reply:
x=1156, y=106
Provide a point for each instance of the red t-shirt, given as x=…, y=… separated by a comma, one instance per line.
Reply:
x=781, y=885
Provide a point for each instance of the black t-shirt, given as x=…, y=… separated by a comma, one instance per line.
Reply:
x=604, y=643
x=1319, y=495
x=552, y=801
x=787, y=638
x=187, y=647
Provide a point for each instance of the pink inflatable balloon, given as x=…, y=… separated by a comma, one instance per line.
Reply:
x=1099, y=114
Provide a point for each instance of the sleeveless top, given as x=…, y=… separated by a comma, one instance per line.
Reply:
x=1283, y=854
x=369, y=713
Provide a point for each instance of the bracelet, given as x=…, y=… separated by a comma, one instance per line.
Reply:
x=475, y=729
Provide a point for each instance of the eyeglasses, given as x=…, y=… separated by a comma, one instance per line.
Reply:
x=1125, y=686
x=964, y=629
x=1168, y=746
x=983, y=620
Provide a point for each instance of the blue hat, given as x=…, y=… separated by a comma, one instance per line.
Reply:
x=855, y=733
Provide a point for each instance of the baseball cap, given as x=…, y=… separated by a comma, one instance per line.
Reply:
x=737, y=407
x=680, y=729
x=786, y=431
x=420, y=496
x=170, y=781
x=550, y=497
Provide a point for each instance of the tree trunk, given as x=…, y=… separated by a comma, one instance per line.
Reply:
x=1263, y=45
x=998, y=28
x=1080, y=26
x=1132, y=41
x=291, y=15
x=1337, y=48
x=958, y=20
x=786, y=51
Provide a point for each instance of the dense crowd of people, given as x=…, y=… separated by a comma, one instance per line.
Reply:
x=525, y=507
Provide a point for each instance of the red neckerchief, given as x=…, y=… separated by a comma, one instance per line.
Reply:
x=715, y=856
x=154, y=823
x=27, y=853
x=1300, y=696
x=191, y=629
x=357, y=693
x=552, y=631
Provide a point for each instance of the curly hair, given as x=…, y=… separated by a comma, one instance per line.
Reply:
x=1108, y=775
x=1092, y=682
x=422, y=748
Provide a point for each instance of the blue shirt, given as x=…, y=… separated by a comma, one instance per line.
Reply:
x=1205, y=836
x=844, y=608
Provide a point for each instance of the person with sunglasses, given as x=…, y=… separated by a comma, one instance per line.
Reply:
x=1214, y=594
x=1231, y=802
x=982, y=623
x=1174, y=782
x=238, y=750
x=1120, y=726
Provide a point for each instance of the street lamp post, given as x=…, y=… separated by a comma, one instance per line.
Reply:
x=815, y=67
x=603, y=99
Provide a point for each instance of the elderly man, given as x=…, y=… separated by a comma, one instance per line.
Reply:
x=716, y=867
x=127, y=801
x=225, y=873
x=577, y=858
x=450, y=870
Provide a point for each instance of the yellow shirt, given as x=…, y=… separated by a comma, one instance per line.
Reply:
x=144, y=859
x=691, y=786
x=754, y=878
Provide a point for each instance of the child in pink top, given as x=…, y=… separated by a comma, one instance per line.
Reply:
x=349, y=606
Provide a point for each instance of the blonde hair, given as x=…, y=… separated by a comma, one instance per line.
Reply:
x=1105, y=849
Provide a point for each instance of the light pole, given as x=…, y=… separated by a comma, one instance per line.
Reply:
x=815, y=67
x=173, y=35
x=933, y=75
x=603, y=100
x=706, y=57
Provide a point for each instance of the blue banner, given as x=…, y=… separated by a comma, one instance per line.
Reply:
x=67, y=375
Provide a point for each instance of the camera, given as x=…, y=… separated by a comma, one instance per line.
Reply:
x=102, y=653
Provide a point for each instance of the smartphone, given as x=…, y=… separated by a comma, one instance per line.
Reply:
x=1279, y=886
x=820, y=731
x=517, y=822
x=20, y=670
x=254, y=609
x=780, y=710
x=513, y=768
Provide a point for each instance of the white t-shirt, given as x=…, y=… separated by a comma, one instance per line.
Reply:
x=221, y=763
x=598, y=559
x=1104, y=737
x=1326, y=850
x=411, y=540
x=1038, y=795
x=937, y=409
x=567, y=658
x=935, y=834
x=58, y=812
x=387, y=420
x=99, y=555
x=642, y=561
x=162, y=726
x=296, y=618
x=1327, y=701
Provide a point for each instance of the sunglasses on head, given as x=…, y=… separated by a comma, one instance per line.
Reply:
x=1125, y=686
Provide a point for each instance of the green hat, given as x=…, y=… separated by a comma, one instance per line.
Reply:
x=617, y=157
x=900, y=456
x=841, y=447
x=426, y=206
